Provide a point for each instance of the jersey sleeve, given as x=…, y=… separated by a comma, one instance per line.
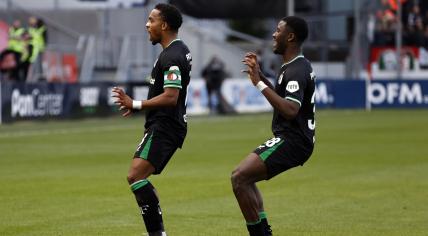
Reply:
x=296, y=85
x=172, y=72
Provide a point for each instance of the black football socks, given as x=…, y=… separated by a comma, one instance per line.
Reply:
x=149, y=205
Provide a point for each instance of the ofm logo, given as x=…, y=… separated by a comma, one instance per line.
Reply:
x=322, y=95
x=401, y=93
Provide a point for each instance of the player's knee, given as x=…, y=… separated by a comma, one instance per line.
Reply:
x=131, y=179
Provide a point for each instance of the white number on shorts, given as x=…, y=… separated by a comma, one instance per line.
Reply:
x=272, y=142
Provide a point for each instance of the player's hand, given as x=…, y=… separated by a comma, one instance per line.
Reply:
x=253, y=68
x=123, y=100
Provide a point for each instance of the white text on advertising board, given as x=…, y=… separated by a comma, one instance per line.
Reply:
x=35, y=104
x=89, y=96
x=321, y=94
x=393, y=93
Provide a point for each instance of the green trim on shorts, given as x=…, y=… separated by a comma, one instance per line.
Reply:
x=139, y=184
x=264, y=155
x=144, y=154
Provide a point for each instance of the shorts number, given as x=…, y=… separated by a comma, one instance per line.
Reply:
x=270, y=142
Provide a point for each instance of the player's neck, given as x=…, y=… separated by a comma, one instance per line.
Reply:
x=167, y=39
x=291, y=53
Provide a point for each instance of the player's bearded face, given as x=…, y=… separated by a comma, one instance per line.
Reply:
x=154, y=26
x=279, y=38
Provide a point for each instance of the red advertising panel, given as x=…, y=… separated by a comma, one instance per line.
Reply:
x=4, y=32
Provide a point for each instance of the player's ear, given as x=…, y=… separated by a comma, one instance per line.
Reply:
x=291, y=37
x=164, y=26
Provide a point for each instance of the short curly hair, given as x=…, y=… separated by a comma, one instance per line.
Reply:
x=171, y=15
x=299, y=26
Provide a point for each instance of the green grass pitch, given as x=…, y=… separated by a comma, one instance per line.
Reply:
x=368, y=176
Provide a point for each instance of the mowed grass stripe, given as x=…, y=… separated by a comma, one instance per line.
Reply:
x=367, y=176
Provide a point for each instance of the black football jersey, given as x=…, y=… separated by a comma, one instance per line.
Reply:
x=296, y=83
x=171, y=70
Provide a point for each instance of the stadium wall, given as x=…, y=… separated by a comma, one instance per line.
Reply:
x=20, y=101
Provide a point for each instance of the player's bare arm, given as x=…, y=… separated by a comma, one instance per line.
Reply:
x=262, y=76
x=168, y=98
x=288, y=109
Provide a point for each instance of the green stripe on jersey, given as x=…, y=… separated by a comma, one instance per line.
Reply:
x=172, y=86
x=172, y=82
x=146, y=149
x=172, y=76
x=139, y=184
x=294, y=100
x=264, y=155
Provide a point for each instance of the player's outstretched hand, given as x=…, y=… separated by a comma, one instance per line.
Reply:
x=253, y=68
x=123, y=100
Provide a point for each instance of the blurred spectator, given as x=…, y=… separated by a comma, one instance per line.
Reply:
x=26, y=55
x=413, y=17
x=15, y=37
x=214, y=74
x=24, y=47
x=38, y=39
x=415, y=21
x=9, y=65
x=38, y=34
x=385, y=25
x=418, y=35
x=15, y=53
x=413, y=32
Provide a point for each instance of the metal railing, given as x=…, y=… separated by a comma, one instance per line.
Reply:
x=88, y=62
x=136, y=59
x=52, y=23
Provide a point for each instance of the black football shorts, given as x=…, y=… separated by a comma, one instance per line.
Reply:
x=280, y=154
x=157, y=147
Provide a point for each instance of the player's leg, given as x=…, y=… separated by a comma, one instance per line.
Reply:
x=146, y=195
x=265, y=162
x=143, y=165
x=259, y=198
x=261, y=210
x=249, y=171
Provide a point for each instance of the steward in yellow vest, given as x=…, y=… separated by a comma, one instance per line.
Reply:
x=16, y=32
x=37, y=32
